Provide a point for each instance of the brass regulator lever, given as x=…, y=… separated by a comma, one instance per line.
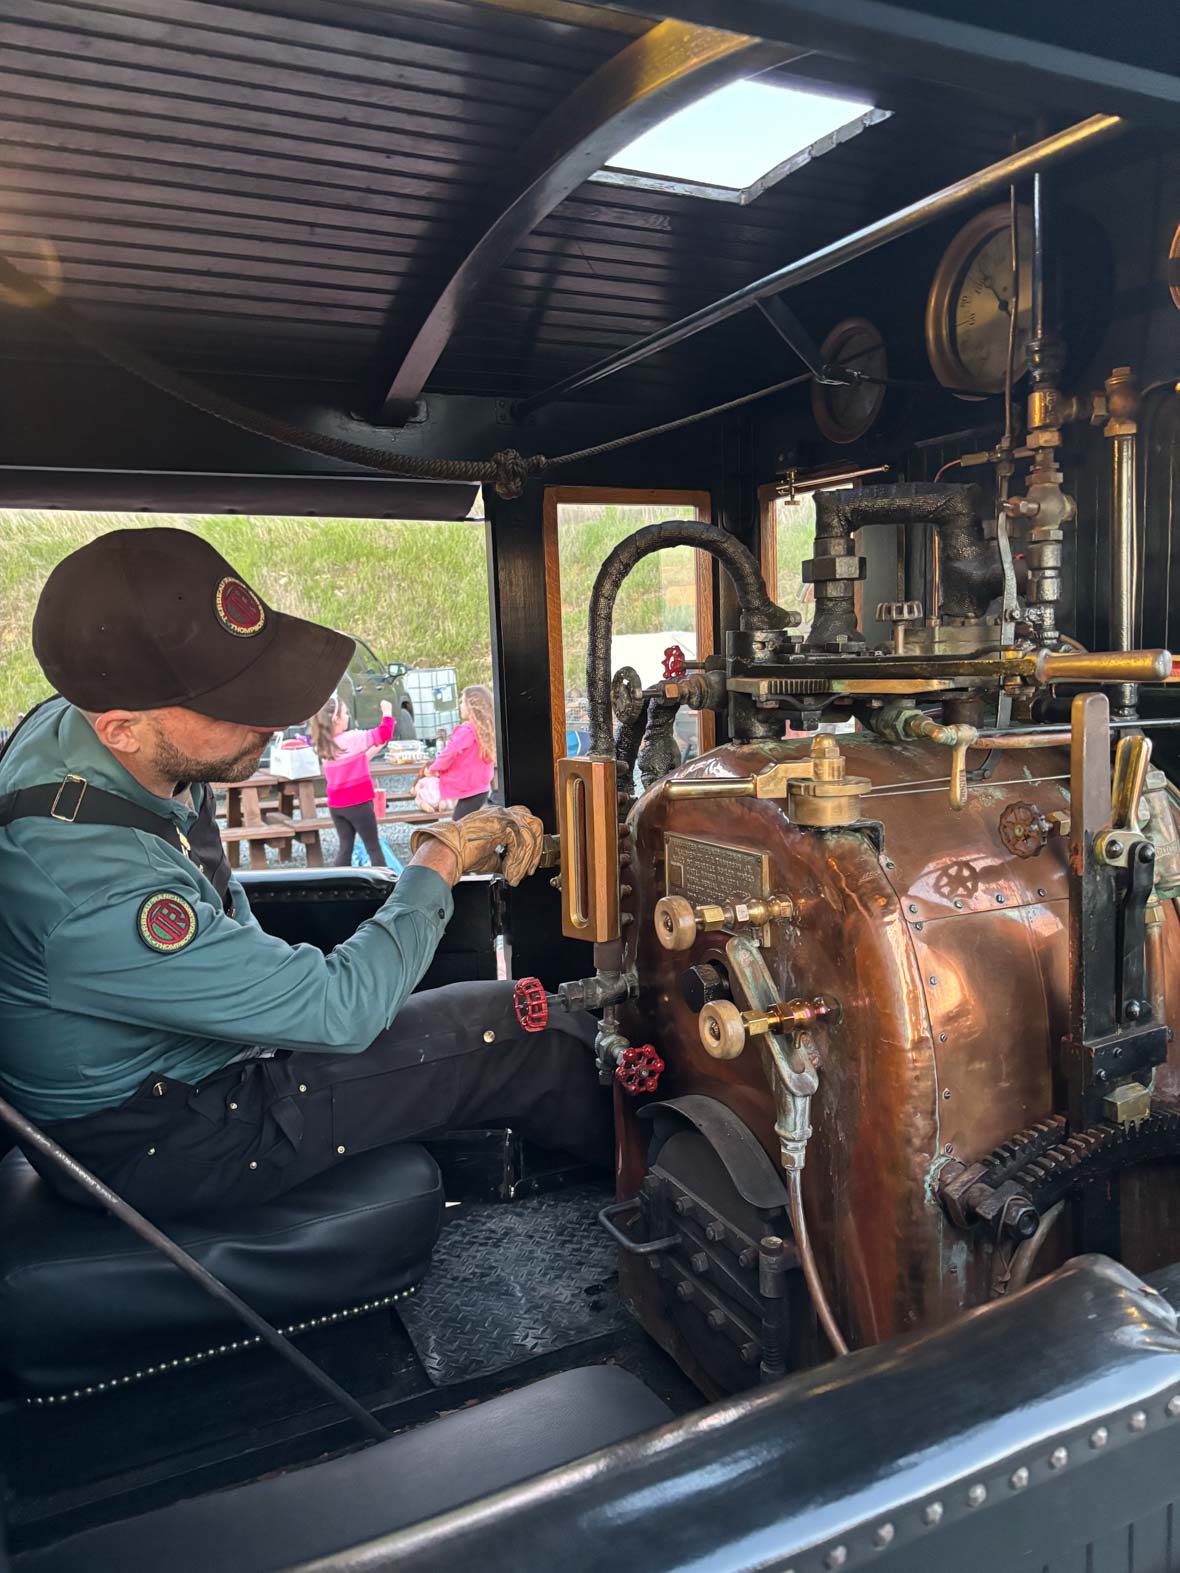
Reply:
x=1131, y=759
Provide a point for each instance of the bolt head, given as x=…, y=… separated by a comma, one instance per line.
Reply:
x=1000, y=898
x=883, y=1534
x=748, y=1257
x=1133, y=1010
x=684, y=1290
x=699, y=1262
x=1138, y=1420
x=715, y=1231
x=1114, y=847
x=932, y=1513
x=1058, y=1458
x=977, y=1494
x=749, y=1353
x=1018, y=1479
x=1099, y=1437
x=681, y=1205
x=1174, y=1405
x=836, y=1557
x=716, y=1320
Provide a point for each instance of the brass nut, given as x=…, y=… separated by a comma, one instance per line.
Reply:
x=709, y=916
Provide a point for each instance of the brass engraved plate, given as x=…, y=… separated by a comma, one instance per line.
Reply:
x=713, y=870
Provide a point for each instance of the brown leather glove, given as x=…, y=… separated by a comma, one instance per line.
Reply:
x=493, y=841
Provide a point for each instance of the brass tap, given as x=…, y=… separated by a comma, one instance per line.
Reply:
x=678, y=921
x=724, y=1029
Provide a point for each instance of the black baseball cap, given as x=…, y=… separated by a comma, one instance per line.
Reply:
x=141, y=619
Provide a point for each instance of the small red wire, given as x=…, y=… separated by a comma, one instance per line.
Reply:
x=949, y=465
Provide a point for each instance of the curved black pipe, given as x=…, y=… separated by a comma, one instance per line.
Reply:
x=758, y=610
x=971, y=569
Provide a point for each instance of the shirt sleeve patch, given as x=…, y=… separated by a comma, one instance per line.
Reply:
x=166, y=922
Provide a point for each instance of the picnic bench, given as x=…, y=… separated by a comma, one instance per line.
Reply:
x=270, y=811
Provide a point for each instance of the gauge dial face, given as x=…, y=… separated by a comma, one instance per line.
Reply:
x=971, y=301
x=844, y=413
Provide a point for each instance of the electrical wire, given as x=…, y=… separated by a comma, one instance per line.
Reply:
x=949, y=465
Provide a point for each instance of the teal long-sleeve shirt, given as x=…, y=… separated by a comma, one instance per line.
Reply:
x=90, y=1004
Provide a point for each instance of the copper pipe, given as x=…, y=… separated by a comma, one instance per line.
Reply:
x=1153, y=941
x=807, y=1260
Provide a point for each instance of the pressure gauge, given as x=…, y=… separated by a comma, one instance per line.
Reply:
x=844, y=412
x=971, y=302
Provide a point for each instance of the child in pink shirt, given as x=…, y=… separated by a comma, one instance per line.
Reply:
x=345, y=756
x=466, y=765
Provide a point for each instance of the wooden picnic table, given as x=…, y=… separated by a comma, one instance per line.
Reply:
x=270, y=811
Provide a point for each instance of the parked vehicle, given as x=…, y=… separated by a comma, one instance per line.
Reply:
x=368, y=682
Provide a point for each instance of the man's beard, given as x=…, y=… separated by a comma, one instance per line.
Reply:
x=178, y=766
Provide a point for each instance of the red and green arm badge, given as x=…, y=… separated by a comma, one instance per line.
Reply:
x=166, y=922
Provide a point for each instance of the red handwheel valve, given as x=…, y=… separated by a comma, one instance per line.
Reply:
x=531, y=1004
x=639, y=1070
x=674, y=662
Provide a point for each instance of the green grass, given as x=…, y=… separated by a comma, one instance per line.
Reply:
x=416, y=592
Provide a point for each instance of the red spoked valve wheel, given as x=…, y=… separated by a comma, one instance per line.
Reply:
x=531, y=1004
x=674, y=662
x=639, y=1070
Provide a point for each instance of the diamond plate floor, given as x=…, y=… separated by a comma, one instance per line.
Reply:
x=512, y=1281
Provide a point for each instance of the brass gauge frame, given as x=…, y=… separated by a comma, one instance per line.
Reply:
x=1174, y=269
x=945, y=360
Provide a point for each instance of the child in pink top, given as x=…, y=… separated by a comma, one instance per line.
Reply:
x=345, y=756
x=466, y=765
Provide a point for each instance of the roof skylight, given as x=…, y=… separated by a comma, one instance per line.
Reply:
x=738, y=140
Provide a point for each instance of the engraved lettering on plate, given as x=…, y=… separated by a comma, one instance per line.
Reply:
x=715, y=871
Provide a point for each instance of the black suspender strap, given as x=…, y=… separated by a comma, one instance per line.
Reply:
x=73, y=801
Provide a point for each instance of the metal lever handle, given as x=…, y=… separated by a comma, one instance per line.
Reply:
x=1131, y=759
x=636, y=1247
x=1100, y=666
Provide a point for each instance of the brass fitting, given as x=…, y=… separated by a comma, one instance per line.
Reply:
x=724, y=1029
x=678, y=921
x=1122, y=403
x=827, y=797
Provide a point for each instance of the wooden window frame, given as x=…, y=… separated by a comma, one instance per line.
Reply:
x=701, y=504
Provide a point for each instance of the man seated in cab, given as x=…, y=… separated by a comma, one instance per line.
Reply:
x=147, y=1023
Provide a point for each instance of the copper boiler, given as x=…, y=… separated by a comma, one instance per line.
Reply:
x=947, y=953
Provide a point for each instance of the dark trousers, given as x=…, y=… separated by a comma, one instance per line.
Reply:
x=468, y=805
x=359, y=819
x=455, y=1059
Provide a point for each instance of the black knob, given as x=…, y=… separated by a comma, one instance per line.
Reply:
x=703, y=984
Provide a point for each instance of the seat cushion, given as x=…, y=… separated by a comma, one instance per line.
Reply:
x=82, y=1297
x=293, y=1518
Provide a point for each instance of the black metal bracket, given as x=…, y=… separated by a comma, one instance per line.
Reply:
x=796, y=337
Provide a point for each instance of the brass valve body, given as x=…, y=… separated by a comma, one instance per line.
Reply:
x=678, y=922
x=724, y=1028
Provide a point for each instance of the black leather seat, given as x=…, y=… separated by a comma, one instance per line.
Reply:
x=292, y=1519
x=83, y=1300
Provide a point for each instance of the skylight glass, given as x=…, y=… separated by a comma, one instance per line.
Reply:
x=734, y=137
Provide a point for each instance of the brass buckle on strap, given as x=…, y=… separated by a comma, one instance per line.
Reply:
x=70, y=780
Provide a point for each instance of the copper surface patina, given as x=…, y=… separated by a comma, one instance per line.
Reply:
x=948, y=954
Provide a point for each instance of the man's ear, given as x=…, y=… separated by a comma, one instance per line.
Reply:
x=119, y=730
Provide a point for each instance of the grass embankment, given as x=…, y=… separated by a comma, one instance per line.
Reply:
x=416, y=592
